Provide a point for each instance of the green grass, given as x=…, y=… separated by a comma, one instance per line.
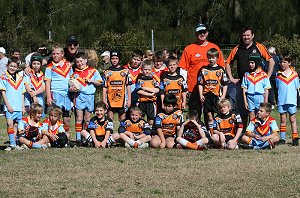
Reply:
x=122, y=172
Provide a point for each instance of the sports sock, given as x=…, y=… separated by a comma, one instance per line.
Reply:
x=110, y=140
x=295, y=135
x=210, y=128
x=11, y=136
x=133, y=143
x=36, y=146
x=67, y=128
x=187, y=144
x=282, y=132
x=89, y=138
x=200, y=145
x=78, y=129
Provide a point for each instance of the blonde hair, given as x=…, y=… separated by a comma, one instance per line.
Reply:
x=57, y=47
x=56, y=110
x=36, y=108
x=224, y=102
x=92, y=57
x=147, y=62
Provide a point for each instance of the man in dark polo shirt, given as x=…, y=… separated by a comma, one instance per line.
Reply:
x=240, y=54
x=72, y=46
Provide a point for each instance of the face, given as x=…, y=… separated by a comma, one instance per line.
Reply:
x=135, y=116
x=285, y=64
x=166, y=54
x=37, y=116
x=16, y=54
x=225, y=109
x=53, y=117
x=158, y=64
x=136, y=62
x=251, y=65
x=150, y=56
x=36, y=65
x=105, y=59
x=73, y=47
x=262, y=113
x=212, y=60
x=81, y=63
x=114, y=60
x=100, y=112
x=12, y=68
x=172, y=66
x=168, y=108
x=147, y=70
x=247, y=37
x=202, y=35
x=57, y=55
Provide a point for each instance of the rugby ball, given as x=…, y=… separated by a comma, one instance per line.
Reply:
x=75, y=83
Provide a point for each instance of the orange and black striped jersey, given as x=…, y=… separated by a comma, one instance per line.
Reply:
x=100, y=127
x=212, y=79
x=228, y=124
x=147, y=81
x=169, y=122
x=116, y=79
x=173, y=85
x=141, y=126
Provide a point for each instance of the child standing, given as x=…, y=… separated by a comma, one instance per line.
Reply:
x=256, y=85
x=174, y=83
x=167, y=124
x=116, y=85
x=57, y=76
x=262, y=131
x=147, y=88
x=227, y=127
x=212, y=81
x=12, y=90
x=135, y=131
x=88, y=78
x=100, y=129
x=159, y=68
x=287, y=82
x=191, y=134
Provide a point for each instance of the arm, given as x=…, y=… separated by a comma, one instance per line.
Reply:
x=202, y=98
x=104, y=96
x=162, y=96
x=238, y=134
x=266, y=95
x=48, y=92
x=94, y=82
x=96, y=142
x=128, y=95
x=271, y=67
x=224, y=91
x=9, y=108
x=162, y=138
x=266, y=138
x=23, y=104
x=50, y=135
x=180, y=130
x=152, y=90
x=245, y=98
x=228, y=70
x=184, y=99
x=145, y=93
x=104, y=142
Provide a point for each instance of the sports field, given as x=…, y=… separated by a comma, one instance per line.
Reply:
x=123, y=172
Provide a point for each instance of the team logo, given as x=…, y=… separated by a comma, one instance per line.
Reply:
x=230, y=121
x=218, y=74
x=175, y=117
x=54, y=67
x=205, y=73
x=254, y=51
x=197, y=55
x=123, y=74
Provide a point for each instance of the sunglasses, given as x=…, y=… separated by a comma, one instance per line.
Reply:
x=74, y=44
x=201, y=32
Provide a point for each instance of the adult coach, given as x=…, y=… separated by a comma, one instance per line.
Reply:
x=240, y=54
x=193, y=59
x=72, y=46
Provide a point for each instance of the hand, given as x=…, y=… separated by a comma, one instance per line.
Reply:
x=49, y=101
x=105, y=102
x=202, y=98
x=257, y=137
x=23, y=110
x=183, y=105
x=234, y=80
x=264, y=139
x=10, y=109
x=246, y=105
x=27, y=70
x=97, y=144
x=54, y=137
x=163, y=144
x=103, y=144
x=35, y=100
x=128, y=104
x=195, y=122
x=222, y=97
x=32, y=93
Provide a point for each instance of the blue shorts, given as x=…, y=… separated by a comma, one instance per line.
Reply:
x=258, y=144
x=15, y=116
x=28, y=100
x=254, y=101
x=85, y=102
x=290, y=108
x=61, y=100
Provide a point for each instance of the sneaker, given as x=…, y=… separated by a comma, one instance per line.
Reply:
x=245, y=146
x=295, y=142
x=127, y=145
x=143, y=145
x=44, y=146
x=282, y=141
x=78, y=143
x=10, y=148
x=48, y=145
x=24, y=146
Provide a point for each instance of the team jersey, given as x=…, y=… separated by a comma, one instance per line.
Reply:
x=192, y=133
x=14, y=89
x=194, y=58
x=287, y=87
x=160, y=72
x=100, y=127
x=53, y=129
x=228, y=124
x=141, y=127
x=147, y=81
x=256, y=82
x=173, y=85
x=36, y=82
x=169, y=122
x=133, y=73
x=82, y=76
x=262, y=128
x=30, y=131
x=241, y=54
x=115, y=80
x=59, y=76
x=212, y=79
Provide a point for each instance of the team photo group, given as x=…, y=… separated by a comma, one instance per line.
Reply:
x=164, y=99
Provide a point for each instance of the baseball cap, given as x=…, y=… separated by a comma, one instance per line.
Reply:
x=115, y=53
x=2, y=50
x=72, y=39
x=201, y=27
x=106, y=53
x=36, y=57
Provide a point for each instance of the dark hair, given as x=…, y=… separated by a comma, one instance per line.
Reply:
x=138, y=53
x=100, y=105
x=192, y=114
x=246, y=28
x=212, y=52
x=267, y=106
x=36, y=108
x=287, y=57
x=81, y=55
x=170, y=99
x=13, y=60
x=158, y=56
x=16, y=50
x=171, y=59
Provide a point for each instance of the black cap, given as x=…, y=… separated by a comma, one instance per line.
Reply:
x=72, y=39
x=115, y=53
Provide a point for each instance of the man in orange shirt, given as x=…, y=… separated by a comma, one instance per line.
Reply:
x=193, y=59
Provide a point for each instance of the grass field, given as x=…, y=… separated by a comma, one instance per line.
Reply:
x=123, y=172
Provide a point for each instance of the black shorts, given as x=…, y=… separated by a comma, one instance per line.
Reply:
x=119, y=111
x=149, y=109
x=194, y=102
x=65, y=113
x=228, y=137
x=100, y=138
x=210, y=103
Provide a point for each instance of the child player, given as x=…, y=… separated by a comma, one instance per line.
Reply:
x=30, y=129
x=57, y=76
x=116, y=85
x=262, y=131
x=174, y=83
x=191, y=134
x=135, y=131
x=256, y=85
x=147, y=88
x=53, y=128
x=227, y=127
x=88, y=78
x=212, y=82
x=167, y=124
x=34, y=82
x=159, y=67
x=287, y=82
x=100, y=129
x=12, y=90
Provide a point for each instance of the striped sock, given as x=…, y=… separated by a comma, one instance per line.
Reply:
x=282, y=132
x=249, y=142
x=67, y=128
x=11, y=136
x=110, y=140
x=210, y=128
x=295, y=135
x=78, y=129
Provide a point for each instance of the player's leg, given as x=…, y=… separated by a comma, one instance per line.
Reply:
x=155, y=141
x=282, y=128
x=128, y=138
x=295, y=136
x=78, y=124
x=113, y=138
x=216, y=139
x=170, y=142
